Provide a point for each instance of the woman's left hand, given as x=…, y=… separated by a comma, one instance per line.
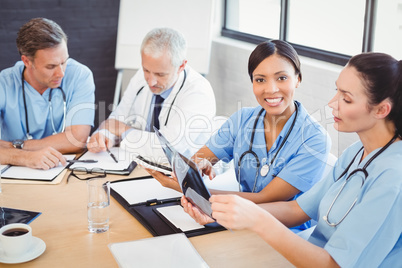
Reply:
x=166, y=181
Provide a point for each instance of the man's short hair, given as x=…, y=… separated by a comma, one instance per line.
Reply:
x=37, y=34
x=165, y=40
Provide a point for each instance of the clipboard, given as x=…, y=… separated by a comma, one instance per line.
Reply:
x=146, y=212
x=104, y=161
x=20, y=174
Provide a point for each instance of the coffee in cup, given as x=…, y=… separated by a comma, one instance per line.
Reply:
x=15, y=239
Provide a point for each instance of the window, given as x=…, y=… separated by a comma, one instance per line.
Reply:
x=242, y=14
x=327, y=30
x=388, y=28
x=327, y=25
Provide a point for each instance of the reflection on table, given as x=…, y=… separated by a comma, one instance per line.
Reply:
x=63, y=227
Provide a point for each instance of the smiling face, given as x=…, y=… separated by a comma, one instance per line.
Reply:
x=274, y=83
x=46, y=69
x=159, y=72
x=350, y=104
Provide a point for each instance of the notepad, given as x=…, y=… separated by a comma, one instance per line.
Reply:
x=26, y=173
x=179, y=218
x=173, y=250
x=140, y=191
x=124, y=166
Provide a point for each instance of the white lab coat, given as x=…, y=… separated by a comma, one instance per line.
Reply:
x=190, y=123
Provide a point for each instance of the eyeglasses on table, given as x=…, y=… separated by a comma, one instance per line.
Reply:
x=83, y=173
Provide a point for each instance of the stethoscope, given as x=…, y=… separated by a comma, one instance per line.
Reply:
x=174, y=99
x=265, y=168
x=28, y=135
x=364, y=170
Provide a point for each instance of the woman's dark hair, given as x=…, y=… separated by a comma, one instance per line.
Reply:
x=381, y=76
x=268, y=48
x=37, y=34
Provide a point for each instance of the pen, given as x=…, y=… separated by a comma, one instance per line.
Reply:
x=82, y=161
x=153, y=202
x=112, y=155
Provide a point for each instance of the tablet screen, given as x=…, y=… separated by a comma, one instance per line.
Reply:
x=191, y=183
x=166, y=147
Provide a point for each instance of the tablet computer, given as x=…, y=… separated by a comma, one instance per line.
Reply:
x=167, y=149
x=151, y=165
x=191, y=183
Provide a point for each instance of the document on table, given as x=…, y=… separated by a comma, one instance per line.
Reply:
x=179, y=218
x=142, y=190
x=124, y=166
x=173, y=250
x=26, y=173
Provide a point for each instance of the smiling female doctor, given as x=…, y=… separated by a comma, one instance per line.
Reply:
x=279, y=151
x=358, y=206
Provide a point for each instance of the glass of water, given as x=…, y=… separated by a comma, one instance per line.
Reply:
x=98, y=205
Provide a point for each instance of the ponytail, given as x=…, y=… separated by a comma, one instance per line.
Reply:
x=382, y=76
x=398, y=101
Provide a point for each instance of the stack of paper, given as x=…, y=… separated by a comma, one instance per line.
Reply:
x=163, y=251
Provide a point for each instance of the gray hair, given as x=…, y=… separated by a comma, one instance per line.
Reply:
x=165, y=40
x=37, y=34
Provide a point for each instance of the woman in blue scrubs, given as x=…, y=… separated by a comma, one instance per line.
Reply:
x=358, y=206
x=278, y=149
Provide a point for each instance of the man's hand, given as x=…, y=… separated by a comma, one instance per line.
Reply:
x=45, y=158
x=98, y=143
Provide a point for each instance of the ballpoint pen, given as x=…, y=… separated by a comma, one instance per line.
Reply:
x=82, y=161
x=112, y=155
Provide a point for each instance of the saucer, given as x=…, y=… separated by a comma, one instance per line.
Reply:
x=38, y=247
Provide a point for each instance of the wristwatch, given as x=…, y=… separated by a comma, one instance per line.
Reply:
x=18, y=144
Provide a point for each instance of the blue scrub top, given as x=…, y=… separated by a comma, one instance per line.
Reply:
x=78, y=86
x=300, y=162
x=371, y=234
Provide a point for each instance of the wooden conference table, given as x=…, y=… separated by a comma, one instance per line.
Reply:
x=63, y=227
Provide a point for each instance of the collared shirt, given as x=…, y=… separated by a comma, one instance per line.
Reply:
x=189, y=121
x=371, y=233
x=300, y=162
x=164, y=95
x=78, y=86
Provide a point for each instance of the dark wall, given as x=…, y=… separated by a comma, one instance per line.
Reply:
x=91, y=27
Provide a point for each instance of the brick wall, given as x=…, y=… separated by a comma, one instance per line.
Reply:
x=91, y=26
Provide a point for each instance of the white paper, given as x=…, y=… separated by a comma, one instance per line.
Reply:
x=105, y=161
x=24, y=173
x=179, y=218
x=225, y=181
x=139, y=191
x=162, y=251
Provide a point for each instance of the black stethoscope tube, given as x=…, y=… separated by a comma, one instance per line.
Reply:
x=174, y=99
x=250, y=150
x=28, y=135
x=364, y=170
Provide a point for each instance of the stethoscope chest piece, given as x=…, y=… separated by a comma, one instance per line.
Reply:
x=264, y=170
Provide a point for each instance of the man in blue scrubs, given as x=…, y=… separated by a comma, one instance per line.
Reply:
x=46, y=100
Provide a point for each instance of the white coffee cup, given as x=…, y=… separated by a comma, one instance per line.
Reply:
x=15, y=239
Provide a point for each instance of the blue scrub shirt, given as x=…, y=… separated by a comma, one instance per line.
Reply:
x=78, y=86
x=370, y=235
x=300, y=162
